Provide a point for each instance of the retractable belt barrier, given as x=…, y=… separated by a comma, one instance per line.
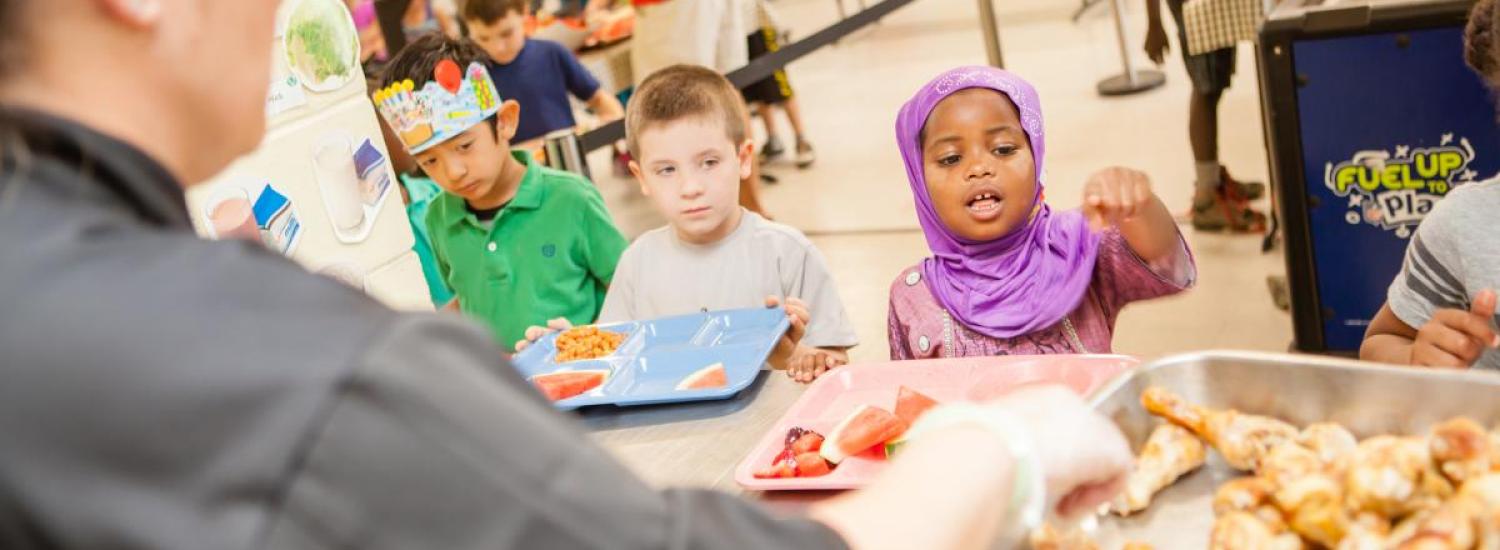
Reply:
x=764, y=66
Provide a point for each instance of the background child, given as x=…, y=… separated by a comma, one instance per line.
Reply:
x=707, y=33
x=685, y=126
x=517, y=242
x=775, y=90
x=538, y=74
x=1219, y=201
x=429, y=16
x=1008, y=275
x=1440, y=310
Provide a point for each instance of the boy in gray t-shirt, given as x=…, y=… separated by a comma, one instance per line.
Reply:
x=686, y=128
x=662, y=275
x=1440, y=310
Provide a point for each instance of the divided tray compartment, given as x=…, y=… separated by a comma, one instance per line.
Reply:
x=657, y=354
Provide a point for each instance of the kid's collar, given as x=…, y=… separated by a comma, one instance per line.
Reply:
x=454, y=209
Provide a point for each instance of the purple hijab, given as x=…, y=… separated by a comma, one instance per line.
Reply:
x=1025, y=281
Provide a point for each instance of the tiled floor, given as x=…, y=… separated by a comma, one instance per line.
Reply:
x=857, y=207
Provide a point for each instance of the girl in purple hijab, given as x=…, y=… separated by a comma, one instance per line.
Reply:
x=1007, y=274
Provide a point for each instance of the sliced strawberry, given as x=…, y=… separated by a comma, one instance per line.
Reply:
x=768, y=473
x=786, y=470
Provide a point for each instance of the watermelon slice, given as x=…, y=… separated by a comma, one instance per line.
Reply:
x=558, y=386
x=705, y=378
x=811, y=465
x=809, y=442
x=910, y=404
x=866, y=427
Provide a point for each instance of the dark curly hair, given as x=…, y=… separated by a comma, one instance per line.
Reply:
x=418, y=59
x=1480, y=48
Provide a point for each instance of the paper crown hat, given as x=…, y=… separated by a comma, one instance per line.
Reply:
x=449, y=104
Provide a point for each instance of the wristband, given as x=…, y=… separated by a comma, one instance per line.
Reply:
x=1028, y=498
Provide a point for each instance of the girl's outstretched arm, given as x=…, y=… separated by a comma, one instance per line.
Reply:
x=1123, y=198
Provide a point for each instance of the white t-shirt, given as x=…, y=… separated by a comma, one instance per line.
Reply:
x=661, y=276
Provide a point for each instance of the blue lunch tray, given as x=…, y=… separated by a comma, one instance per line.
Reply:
x=658, y=354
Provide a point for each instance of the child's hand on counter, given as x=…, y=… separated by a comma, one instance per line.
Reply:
x=535, y=333
x=797, y=313
x=810, y=363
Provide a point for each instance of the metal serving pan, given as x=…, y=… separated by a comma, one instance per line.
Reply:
x=1368, y=399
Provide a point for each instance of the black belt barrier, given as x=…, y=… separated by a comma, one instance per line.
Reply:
x=764, y=66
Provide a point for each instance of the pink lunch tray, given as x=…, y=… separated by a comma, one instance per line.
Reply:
x=832, y=397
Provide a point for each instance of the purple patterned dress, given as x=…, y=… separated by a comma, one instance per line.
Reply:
x=921, y=329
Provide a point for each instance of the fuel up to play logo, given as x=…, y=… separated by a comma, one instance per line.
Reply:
x=1395, y=190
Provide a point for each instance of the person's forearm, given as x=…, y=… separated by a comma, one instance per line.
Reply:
x=1386, y=348
x=958, y=479
x=1152, y=234
x=606, y=106
x=1153, y=13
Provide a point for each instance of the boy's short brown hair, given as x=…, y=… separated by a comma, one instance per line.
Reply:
x=490, y=11
x=679, y=92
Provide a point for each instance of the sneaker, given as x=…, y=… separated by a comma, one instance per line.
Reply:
x=771, y=150
x=1220, y=213
x=805, y=155
x=1241, y=190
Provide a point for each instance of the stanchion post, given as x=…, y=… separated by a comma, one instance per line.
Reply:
x=991, y=31
x=1132, y=81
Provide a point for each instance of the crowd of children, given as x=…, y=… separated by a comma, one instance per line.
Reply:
x=527, y=249
x=522, y=247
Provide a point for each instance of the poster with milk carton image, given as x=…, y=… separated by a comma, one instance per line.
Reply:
x=351, y=175
x=253, y=210
x=318, y=187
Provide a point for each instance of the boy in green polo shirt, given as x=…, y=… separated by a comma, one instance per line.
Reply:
x=518, y=243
